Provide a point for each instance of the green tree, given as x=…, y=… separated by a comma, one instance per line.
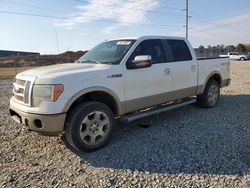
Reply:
x=247, y=47
x=240, y=48
x=201, y=48
x=230, y=48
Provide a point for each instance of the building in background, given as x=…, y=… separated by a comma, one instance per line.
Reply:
x=6, y=53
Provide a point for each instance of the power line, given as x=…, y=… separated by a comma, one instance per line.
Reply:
x=206, y=19
x=105, y=4
x=31, y=6
x=93, y=20
x=216, y=22
x=134, y=8
x=34, y=15
x=211, y=33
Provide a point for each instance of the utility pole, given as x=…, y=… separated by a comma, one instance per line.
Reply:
x=187, y=17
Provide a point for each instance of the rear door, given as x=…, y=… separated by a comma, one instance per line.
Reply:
x=185, y=68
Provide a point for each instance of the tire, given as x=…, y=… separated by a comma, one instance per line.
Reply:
x=242, y=59
x=210, y=96
x=89, y=126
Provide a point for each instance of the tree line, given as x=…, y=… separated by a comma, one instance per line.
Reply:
x=241, y=48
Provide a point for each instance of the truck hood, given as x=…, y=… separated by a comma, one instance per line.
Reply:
x=61, y=69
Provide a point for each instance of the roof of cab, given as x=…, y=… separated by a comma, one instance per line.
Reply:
x=148, y=37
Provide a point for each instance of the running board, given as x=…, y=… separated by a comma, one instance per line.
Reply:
x=156, y=110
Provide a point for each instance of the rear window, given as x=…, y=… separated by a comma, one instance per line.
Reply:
x=179, y=50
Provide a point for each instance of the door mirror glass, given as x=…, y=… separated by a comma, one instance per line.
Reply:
x=141, y=61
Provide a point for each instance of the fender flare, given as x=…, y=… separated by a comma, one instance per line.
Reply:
x=120, y=106
x=202, y=87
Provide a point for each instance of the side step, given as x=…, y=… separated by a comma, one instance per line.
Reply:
x=156, y=110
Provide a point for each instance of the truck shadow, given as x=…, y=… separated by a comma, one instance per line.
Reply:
x=187, y=140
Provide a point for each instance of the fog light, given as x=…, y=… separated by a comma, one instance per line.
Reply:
x=38, y=123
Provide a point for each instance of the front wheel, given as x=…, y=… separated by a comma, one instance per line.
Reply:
x=89, y=126
x=211, y=95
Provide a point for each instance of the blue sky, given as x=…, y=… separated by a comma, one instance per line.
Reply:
x=81, y=24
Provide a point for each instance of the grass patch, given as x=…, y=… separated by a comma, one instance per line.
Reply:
x=10, y=72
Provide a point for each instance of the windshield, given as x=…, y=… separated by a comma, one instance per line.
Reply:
x=110, y=52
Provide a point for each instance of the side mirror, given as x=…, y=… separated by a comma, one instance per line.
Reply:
x=141, y=61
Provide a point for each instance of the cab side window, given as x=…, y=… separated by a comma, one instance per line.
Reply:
x=152, y=47
x=179, y=50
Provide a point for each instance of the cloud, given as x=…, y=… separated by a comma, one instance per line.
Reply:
x=230, y=30
x=109, y=30
x=116, y=12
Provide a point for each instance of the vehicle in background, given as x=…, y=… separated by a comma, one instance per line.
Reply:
x=236, y=56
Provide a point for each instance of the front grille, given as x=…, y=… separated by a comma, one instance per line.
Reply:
x=18, y=89
x=21, y=90
x=20, y=82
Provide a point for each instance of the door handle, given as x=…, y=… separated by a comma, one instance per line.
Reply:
x=193, y=68
x=167, y=71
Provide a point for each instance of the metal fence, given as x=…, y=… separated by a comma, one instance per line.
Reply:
x=211, y=52
x=34, y=60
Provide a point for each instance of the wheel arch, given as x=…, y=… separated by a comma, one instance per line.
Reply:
x=215, y=76
x=98, y=94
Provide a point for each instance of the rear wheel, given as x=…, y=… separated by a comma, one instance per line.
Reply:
x=211, y=95
x=89, y=126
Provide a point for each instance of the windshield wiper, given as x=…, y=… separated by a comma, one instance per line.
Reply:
x=91, y=61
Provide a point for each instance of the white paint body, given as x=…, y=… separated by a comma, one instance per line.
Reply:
x=134, y=84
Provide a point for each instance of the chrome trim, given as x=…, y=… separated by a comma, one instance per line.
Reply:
x=157, y=110
x=24, y=90
x=18, y=85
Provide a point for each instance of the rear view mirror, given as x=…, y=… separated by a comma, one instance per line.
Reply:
x=141, y=61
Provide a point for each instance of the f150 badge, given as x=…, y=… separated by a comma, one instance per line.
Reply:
x=115, y=76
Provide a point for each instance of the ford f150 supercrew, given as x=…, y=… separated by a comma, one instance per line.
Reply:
x=119, y=80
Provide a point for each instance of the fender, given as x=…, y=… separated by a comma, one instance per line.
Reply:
x=120, y=105
x=201, y=88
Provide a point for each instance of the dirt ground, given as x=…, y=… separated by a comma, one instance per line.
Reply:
x=188, y=147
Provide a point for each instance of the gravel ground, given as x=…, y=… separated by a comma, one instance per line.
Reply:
x=188, y=147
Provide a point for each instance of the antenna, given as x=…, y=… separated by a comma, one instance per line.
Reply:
x=187, y=19
x=57, y=42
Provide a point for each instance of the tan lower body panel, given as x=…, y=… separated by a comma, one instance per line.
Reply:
x=141, y=103
x=45, y=124
x=224, y=83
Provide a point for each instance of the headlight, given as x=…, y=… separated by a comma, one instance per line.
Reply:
x=45, y=93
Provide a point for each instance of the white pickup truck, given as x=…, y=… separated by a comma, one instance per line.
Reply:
x=121, y=79
x=235, y=56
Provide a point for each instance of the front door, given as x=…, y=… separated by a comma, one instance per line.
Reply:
x=149, y=86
